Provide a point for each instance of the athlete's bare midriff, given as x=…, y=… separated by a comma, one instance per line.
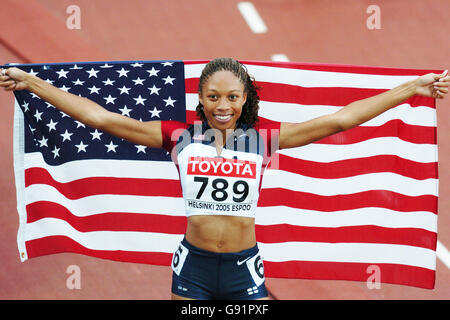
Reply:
x=221, y=233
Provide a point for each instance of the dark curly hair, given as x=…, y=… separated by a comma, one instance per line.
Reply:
x=250, y=108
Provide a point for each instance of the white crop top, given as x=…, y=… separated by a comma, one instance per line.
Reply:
x=225, y=184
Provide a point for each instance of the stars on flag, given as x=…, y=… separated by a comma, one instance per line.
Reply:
x=81, y=146
x=66, y=136
x=144, y=91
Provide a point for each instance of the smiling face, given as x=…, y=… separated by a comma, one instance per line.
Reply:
x=222, y=97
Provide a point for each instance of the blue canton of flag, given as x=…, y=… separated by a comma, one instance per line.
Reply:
x=142, y=90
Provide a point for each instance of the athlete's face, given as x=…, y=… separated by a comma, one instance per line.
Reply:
x=222, y=97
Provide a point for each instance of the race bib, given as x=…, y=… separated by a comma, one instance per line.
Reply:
x=221, y=186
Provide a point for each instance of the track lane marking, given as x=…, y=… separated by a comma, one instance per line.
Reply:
x=279, y=57
x=252, y=17
x=443, y=254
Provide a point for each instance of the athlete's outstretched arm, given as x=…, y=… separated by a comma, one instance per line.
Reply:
x=299, y=134
x=84, y=110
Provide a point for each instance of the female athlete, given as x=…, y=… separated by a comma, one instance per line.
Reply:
x=220, y=163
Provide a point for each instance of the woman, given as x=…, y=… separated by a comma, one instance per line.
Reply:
x=220, y=164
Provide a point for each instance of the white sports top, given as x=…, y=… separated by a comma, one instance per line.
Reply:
x=225, y=184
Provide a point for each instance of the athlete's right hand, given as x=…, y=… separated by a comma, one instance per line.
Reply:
x=13, y=79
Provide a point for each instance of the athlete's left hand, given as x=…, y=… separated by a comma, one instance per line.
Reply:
x=433, y=85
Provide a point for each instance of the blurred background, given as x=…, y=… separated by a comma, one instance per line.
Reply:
x=394, y=33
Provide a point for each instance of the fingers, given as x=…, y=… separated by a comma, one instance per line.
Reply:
x=11, y=87
x=440, y=86
x=6, y=83
x=3, y=75
x=443, y=77
x=439, y=92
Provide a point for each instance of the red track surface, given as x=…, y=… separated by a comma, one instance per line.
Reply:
x=413, y=34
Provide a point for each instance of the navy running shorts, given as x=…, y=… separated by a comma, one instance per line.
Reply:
x=201, y=274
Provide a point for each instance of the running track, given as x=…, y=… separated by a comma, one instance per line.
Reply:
x=413, y=34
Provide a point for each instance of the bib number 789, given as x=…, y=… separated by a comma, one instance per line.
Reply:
x=220, y=186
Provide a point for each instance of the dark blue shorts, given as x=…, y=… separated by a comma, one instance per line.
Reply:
x=201, y=274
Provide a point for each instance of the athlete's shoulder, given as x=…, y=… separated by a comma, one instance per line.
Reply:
x=170, y=131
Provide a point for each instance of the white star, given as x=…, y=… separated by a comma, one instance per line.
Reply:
x=78, y=82
x=168, y=80
x=32, y=72
x=62, y=73
x=108, y=82
x=43, y=142
x=51, y=125
x=125, y=111
x=64, y=88
x=138, y=81
x=64, y=114
x=79, y=124
x=92, y=72
x=49, y=81
x=123, y=72
x=49, y=105
x=94, y=89
x=155, y=112
x=66, y=136
x=111, y=147
x=153, y=72
x=139, y=100
x=136, y=64
x=169, y=101
x=96, y=135
x=75, y=67
x=106, y=65
x=167, y=64
x=25, y=106
x=154, y=89
x=56, y=152
x=38, y=115
x=110, y=99
x=124, y=90
x=81, y=147
x=140, y=148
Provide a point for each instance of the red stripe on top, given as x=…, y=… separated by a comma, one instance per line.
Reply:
x=393, y=128
x=59, y=244
x=354, y=167
x=105, y=185
x=348, y=234
x=329, y=96
x=346, y=68
x=373, y=198
x=108, y=221
x=325, y=270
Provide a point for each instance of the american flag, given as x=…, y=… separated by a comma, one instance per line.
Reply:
x=334, y=209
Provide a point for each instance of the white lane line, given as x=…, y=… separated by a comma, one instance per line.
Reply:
x=443, y=254
x=279, y=57
x=251, y=16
